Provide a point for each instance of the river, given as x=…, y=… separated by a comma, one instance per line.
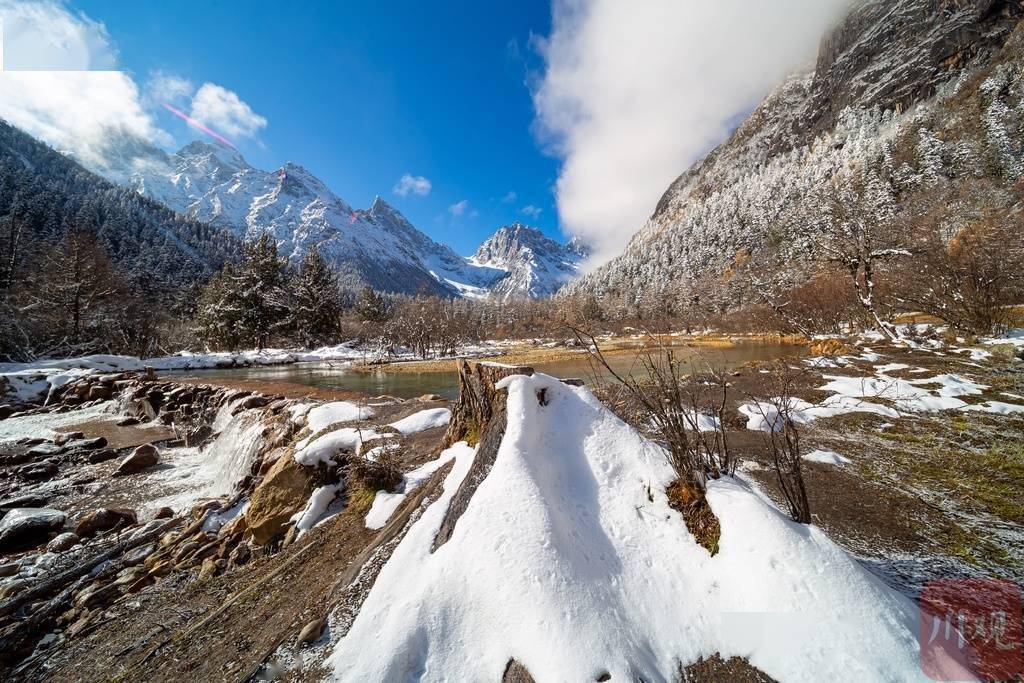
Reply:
x=407, y=382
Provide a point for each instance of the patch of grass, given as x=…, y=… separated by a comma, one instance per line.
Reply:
x=987, y=478
x=360, y=498
x=697, y=514
x=972, y=548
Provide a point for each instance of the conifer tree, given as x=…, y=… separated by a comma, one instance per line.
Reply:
x=316, y=301
x=260, y=288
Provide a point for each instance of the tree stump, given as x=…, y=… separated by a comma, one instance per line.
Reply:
x=478, y=400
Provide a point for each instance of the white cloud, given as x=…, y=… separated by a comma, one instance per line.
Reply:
x=164, y=87
x=57, y=87
x=44, y=36
x=77, y=111
x=458, y=208
x=412, y=184
x=634, y=93
x=531, y=211
x=222, y=110
x=509, y=197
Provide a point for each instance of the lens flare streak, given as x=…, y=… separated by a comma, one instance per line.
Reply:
x=199, y=125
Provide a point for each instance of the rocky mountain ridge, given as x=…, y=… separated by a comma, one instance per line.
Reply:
x=378, y=246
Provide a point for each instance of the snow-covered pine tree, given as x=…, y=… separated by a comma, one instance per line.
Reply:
x=260, y=287
x=219, y=312
x=244, y=305
x=316, y=300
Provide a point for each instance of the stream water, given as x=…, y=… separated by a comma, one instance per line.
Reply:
x=409, y=383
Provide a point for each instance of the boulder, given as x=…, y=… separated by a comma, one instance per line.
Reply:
x=64, y=541
x=39, y=471
x=311, y=632
x=88, y=444
x=26, y=500
x=254, y=401
x=102, y=456
x=45, y=450
x=28, y=526
x=104, y=519
x=99, y=392
x=65, y=437
x=429, y=398
x=141, y=458
x=127, y=422
x=284, y=491
x=6, y=411
x=164, y=513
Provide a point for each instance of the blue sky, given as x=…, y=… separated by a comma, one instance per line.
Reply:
x=362, y=93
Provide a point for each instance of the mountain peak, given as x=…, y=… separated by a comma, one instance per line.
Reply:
x=536, y=264
x=220, y=152
x=381, y=207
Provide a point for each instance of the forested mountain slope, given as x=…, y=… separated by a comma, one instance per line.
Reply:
x=44, y=195
x=920, y=99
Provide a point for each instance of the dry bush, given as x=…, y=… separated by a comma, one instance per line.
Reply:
x=972, y=281
x=783, y=440
x=673, y=404
x=382, y=474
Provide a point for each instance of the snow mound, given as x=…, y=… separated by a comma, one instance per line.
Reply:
x=324, y=448
x=423, y=420
x=563, y=562
x=827, y=457
x=338, y=411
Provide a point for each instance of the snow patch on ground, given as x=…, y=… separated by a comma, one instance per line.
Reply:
x=385, y=503
x=316, y=507
x=324, y=448
x=908, y=395
x=563, y=562
x=764, y=415
x=997, y=407
x=423, y=420
x=338, y=411
x=827, y=457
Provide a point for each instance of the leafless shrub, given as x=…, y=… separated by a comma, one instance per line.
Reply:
x=972, y=280
x=381, y=474
x=674, y=406
x=783, y=440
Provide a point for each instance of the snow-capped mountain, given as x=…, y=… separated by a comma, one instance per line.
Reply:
x=213, y=183
x=536, y=266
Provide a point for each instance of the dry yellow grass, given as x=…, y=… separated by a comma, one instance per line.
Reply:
x=527, y=354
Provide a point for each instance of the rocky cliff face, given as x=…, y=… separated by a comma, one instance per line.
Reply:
x=878, y=72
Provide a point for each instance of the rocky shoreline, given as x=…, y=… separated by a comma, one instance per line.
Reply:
x=64, y=569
